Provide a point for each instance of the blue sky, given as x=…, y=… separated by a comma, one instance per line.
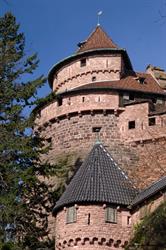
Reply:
x=54, y=27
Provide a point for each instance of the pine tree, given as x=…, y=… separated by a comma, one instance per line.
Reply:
x=24, y=198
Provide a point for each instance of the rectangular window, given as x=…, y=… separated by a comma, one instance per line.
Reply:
x=131, y=125
x=83, y=62
x=152, y=121
x=110, y=215
x=59, y=102
x=71, y=215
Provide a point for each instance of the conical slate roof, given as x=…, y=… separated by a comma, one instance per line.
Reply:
x=98, y=39
x=98, y=180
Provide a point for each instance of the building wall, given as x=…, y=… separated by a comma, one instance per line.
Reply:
x=146, y=208
x=96, y=235
x=72, y=75
x=78, y=103
x=142, y=131
x=139, y=151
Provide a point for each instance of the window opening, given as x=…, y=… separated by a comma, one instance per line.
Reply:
x=83, y=99
x=128, y=220
x=88, y=219
x=96, y=129
x=69, y=101
x=131, y=97
x=59, y=101
x=131, y=125
x=93, y=78
x=141, y=80
x=152, y=121
x=71, y=215
x=83, y=62
x=110, y=215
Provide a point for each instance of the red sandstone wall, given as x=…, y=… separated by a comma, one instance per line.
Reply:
x=140, y=114
x=79, y=103
x=102, y=67
x=97, y=235
x=139, y=151
x=151, y=206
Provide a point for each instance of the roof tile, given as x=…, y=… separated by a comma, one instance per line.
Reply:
x=98, y=180
x=150, y=191
x=98, y=39
x=130, y=82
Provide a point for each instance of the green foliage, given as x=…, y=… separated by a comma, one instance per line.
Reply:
x=24, y=197
x=150, y=234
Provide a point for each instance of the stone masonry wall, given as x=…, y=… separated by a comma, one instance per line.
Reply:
x=139, y=151
x=77, y=104
x=98, y=234
x=73, y=75
x=146, y=208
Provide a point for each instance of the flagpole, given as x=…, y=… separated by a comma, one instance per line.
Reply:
x=98, y=17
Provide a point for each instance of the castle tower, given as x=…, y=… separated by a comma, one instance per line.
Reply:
x=97, y=90
x=93, y=211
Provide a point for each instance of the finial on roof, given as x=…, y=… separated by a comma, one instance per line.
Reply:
x=98, y=17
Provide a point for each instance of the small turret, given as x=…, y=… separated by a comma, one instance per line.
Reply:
x=93, y=211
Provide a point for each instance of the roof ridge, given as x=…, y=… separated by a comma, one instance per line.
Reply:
x=119, y=168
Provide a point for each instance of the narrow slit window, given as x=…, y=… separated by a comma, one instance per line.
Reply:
x=110, y=215
x=71, y=215
x=83, y=99
x=131, y=124
x=59, y=101
x=128, y=220
x=88, y=219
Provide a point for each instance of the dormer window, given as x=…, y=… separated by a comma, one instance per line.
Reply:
x=71, y=215
x=110, y=215
x=141, y=80
x=83, y=62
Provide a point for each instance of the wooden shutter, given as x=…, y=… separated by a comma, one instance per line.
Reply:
x=111, y=215
x=71, y=214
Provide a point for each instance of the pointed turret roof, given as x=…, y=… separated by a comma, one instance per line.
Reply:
x=98, y=39
x=98, y=180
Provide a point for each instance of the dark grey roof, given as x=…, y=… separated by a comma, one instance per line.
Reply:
x=150, y=191
x=98, y=180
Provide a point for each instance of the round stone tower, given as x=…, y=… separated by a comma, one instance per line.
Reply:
x=86, y=101
x=92, y=213
x=96, y=91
